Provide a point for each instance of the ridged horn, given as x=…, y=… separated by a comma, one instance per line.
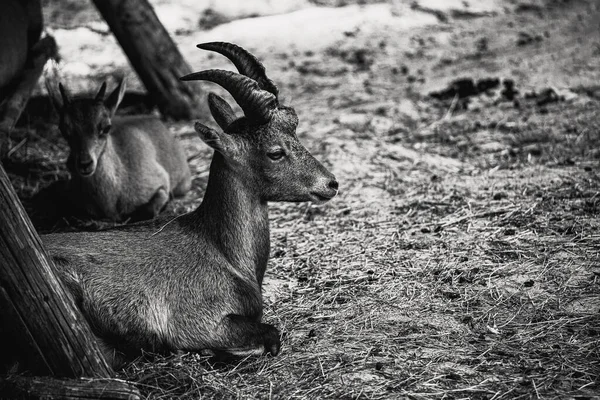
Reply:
x=257, y=104
x=246, y=63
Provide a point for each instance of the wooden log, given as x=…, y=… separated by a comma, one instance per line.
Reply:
x=47, y=388
x=56, y=337
x=16, y=102
x=154, y=56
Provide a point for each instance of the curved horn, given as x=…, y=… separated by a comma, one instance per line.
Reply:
x=245, y=62
x=257, y=104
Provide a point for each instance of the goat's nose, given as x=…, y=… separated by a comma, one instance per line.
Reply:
x=333, y=185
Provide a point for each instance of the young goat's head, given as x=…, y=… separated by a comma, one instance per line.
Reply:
x=86, y=123
x=262, y=146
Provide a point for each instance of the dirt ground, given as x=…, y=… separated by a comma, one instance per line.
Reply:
x=461, y=258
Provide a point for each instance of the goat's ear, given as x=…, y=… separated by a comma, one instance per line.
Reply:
x=114, y=99
x=101, y=92
x=58, y=96
x=218, y=141
x=221, y=110
x=65, y=97
x=53, y=86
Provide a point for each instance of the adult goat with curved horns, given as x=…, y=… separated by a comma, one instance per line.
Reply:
x=194, y=283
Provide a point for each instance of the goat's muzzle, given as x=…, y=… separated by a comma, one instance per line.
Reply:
x=86, y=167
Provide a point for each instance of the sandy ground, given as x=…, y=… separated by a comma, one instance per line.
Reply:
x=461, y=257
x=442, y=38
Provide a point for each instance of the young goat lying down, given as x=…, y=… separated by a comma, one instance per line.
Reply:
x=121, y=167
x=194, y=283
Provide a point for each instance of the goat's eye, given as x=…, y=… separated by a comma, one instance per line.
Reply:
x=276, y=154
x=105, y=129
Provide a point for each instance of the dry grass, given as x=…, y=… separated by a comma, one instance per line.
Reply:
x=420, y=280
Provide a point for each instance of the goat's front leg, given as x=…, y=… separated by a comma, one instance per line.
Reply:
x=242, y=336
x=151, y=209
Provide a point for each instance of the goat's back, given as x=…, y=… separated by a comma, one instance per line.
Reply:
x=138, y=138
x=152, y=284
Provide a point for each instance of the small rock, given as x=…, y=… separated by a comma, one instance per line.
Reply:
x=509, y=92
x=482, y=45
x=525, y=38
x=211, y=18
x=381, y=124
x=409, y=109
x=534, y=149
x=454, y=376
x=566, y=94
x=547, y=96
x=492, y=147
x=354, y=121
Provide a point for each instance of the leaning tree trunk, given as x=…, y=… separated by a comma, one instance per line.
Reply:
x=154, y=56
x=15, y=104
x=52, y=335
x=39, y=323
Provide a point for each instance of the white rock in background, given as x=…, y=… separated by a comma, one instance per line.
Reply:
x=354, y=121
x=474, y=7
x=381, y=125
x=185, y=14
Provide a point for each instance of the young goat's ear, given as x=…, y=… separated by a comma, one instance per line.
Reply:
x=219, y=142
x=57, y=96
x=221, y=110
x=56, y=92
x=114, y=99
x=65, y=98
x=101, y=92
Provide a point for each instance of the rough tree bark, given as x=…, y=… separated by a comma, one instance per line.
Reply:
x=57, y=339
x=41, y=321
x=47, y=388
x=154, y=56
x=13, y=107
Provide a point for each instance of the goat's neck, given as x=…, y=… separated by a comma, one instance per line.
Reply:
x=236, y=219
